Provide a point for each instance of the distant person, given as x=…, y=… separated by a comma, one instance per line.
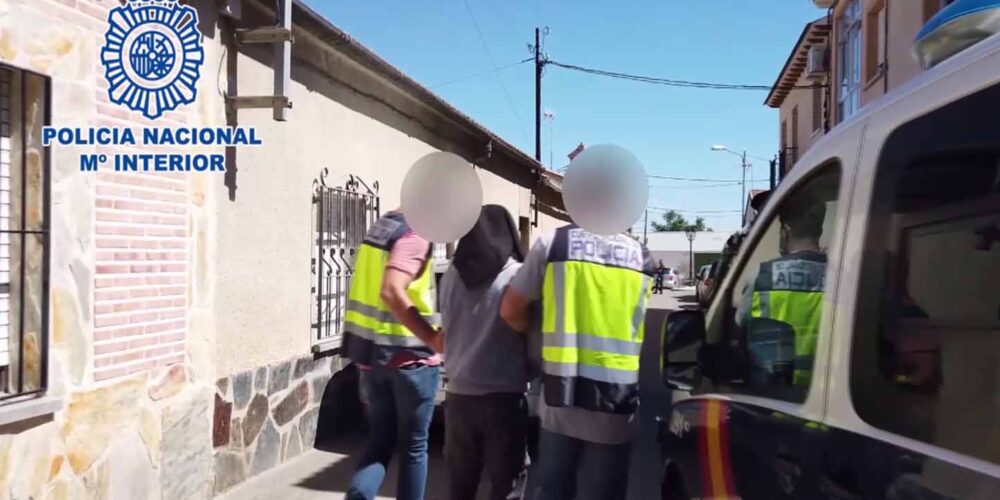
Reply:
x=661, y=272
x=790, y=289
x=593, y=291
x=388, y=334
x=485, y=406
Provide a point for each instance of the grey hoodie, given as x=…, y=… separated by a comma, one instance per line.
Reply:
x=482, y=354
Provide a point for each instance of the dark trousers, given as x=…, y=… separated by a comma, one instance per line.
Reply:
x=400, y=408
x=571, y=468
x=488, y=432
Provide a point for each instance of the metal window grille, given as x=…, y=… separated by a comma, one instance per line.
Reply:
x=343, y=216
x=786, y=160
x=24, y=233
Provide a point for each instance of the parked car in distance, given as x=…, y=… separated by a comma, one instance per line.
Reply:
x=705, y=288
x=670, y=278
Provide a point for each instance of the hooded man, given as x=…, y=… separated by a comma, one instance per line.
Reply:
x=485, y=405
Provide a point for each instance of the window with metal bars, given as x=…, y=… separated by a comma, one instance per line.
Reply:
x=342, y=216
x=24, y=233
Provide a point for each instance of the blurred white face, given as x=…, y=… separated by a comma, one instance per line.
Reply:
x=605, y=189
x=441, y=197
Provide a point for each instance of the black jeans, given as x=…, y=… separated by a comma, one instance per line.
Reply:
x=484, y=431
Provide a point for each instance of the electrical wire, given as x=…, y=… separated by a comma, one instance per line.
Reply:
x=662, y=209
x=493, y=64
x=477, y=75
x=695, y=179
x=668, y=81
x=703, y=186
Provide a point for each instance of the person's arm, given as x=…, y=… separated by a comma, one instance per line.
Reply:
x=515, y=310
x=407, y=260
x=525, y=288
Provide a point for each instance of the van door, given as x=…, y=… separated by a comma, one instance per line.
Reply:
x=924, y=363
x=758, y=436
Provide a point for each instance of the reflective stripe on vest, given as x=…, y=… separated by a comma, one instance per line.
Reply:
x=372, y=333
x=790, y=290
x=594, y=297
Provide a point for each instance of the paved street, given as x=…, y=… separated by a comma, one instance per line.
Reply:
x=326, y=472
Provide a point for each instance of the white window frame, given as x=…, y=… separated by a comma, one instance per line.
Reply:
x=849, y=60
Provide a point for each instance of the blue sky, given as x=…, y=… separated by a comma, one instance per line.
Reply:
x=669, y=129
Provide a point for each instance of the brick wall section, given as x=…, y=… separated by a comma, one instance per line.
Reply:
x=141, y=294
x=141, y=226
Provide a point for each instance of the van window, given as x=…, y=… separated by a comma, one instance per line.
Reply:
x=926, y=358
x=775, y=306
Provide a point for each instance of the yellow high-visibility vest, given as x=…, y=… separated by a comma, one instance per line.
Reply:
x=594, y=298
x=372, y=335
x=790, y=290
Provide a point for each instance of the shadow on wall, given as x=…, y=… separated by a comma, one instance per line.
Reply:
x=213, y=25
x=228, y=40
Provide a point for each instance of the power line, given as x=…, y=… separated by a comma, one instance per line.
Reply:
x=695, y=179
x=478, y=75
x=662, y=209
x=668, y=81
x=703, y=186
x=493, y=64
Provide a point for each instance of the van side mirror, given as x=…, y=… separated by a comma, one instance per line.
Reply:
x=683, y=342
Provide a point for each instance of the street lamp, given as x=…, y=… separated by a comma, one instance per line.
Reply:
x=690, y=233
x=743, y=157
x=550, y=116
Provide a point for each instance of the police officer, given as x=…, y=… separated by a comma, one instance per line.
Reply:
x=790, y=289
x=593, y=292
x=660, y=271
x=388, y=332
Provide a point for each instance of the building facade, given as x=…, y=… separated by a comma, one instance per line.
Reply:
x=169, y=335
x=858, y=51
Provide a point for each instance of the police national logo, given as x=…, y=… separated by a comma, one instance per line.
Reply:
x=152, y=56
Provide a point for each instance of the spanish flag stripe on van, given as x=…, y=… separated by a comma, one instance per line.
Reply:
x=716, y=469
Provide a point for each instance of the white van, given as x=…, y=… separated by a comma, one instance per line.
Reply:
x=901, y=395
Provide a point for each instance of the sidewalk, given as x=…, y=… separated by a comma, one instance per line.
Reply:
x=326, y=472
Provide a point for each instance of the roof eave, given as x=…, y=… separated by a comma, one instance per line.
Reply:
x=778, y=93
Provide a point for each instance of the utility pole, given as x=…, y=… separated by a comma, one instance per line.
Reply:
x=538, y=97
x=550, y=116
x=743, y=208
x=552, y=140
x=537, y=50
x=645, y=225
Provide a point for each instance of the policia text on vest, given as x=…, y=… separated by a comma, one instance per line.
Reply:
x=594, y=297
x=788, y=291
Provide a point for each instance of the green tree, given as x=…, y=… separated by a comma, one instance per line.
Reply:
x=674, y=221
